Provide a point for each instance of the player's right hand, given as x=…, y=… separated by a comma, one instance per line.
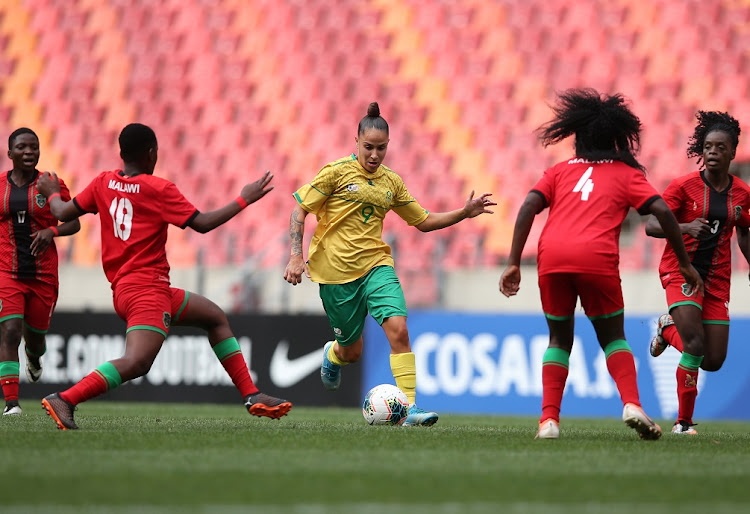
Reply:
x=294, y=270
x=48, y=184
x=693, y=278
x=510, y=281
x=699, y=228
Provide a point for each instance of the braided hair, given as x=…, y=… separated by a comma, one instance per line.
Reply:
x=603, y=125
x=710, y=121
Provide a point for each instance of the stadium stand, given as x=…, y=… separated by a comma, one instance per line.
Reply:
x=234, y=87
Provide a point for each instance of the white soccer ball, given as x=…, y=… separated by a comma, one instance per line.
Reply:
x=385, y=404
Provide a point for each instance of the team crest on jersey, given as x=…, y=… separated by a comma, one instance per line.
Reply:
x=41, y=201
x=695, y=206
x=687, y=290
x=737, y=212
x=352, y=188
x=167, y=319
x=389, y=197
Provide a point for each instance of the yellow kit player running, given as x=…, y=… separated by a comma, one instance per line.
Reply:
x=348, y=258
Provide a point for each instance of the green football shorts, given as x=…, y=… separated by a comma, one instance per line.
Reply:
x=347, y=305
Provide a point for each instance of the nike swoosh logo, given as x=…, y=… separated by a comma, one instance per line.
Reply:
x=285, y=372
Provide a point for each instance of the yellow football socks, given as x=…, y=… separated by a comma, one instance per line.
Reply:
x=404, y=369
x=333, y=357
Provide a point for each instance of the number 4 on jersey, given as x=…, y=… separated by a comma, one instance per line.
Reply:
x=585, y=185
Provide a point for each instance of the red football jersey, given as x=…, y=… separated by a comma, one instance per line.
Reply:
x=691, y=197
x=23, y=212
x=588, y=201
x=135, y=213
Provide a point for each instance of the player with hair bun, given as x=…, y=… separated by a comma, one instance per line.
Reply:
x=588, y=198
x=709, y=204
x=135, y=209
x=28, y=265
x=348, y=258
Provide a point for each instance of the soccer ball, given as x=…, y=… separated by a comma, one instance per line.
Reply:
x=385, y=404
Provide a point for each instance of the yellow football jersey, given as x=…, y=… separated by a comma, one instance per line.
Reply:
x=350, y=204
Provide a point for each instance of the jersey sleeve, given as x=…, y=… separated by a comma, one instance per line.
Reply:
x=86, y=199
x=546, y=185
x=312, y=196
x=641, y=193
x=407, y=208
x=180, y=211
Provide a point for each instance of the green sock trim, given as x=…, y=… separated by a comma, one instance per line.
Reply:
x=618, y=345
x=227, y=348
x=690, y=362
x=33, y=354
x=556, y=356
x=110, y=374
x=9, y=369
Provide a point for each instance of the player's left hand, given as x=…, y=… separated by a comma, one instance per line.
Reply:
x=256, y=190
x=476, y=206
x=40, y=241
x=48, y=184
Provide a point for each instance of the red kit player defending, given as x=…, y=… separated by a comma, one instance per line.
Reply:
x=135, y=209
x=588, y=198
x=709, y=204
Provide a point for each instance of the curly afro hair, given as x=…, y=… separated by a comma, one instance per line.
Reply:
x=603, y=125
x=710, y=121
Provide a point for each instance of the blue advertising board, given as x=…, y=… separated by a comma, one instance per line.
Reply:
x=492, y=364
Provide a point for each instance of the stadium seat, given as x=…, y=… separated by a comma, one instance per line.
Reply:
x=463, y=86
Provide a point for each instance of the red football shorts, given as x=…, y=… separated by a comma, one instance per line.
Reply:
x=154, y=306
x=713, y=307
x=601, y=295
x=30, y=299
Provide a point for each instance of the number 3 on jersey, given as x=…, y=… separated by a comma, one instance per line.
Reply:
x=585, y=185
x=121, y=211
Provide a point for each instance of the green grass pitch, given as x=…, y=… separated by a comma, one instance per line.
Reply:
x=139, y=457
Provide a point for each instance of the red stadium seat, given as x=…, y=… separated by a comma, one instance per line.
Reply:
x=462, y=84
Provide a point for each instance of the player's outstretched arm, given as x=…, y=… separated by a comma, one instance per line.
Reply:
x=471, y=209
x=672, y=232
x=49, y=186
x=296, y=265
x=510, y=281
x=251, y=193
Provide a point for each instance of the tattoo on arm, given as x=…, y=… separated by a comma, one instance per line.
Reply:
x=296, y=229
